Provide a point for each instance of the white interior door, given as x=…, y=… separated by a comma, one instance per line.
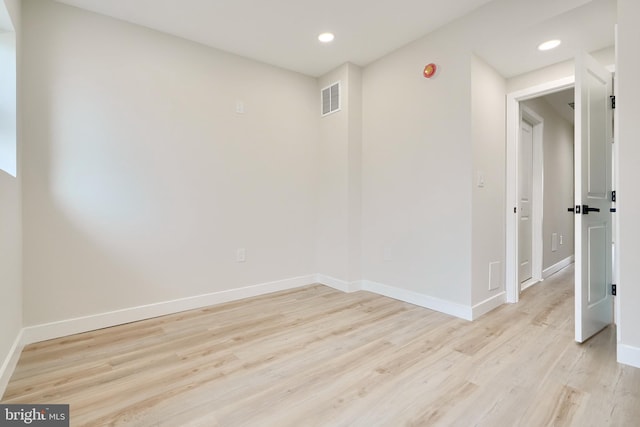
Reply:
x=593, y=155
x=525, y=194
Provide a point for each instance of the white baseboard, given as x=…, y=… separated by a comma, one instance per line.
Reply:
x=77, y=325
x=358, y=285
x=629, y=355
x=489, y=304
x=10, y=362
x=421, y=300
x=529, y=283
x=341, y=285
x=558, y=266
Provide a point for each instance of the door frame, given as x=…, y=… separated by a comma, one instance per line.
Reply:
x=512, y=285
x=537, y=201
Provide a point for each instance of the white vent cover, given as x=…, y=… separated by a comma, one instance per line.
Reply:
x=331, y=99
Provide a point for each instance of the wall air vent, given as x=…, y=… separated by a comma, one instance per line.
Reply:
x=331, y=99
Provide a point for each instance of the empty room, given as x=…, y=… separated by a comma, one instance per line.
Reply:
x=254, y=213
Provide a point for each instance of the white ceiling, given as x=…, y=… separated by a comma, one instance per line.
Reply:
x=560, y=102
x=284, y=32
x=587, y=28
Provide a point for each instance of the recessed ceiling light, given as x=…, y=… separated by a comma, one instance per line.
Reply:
x=326, y=37
x=551, y=44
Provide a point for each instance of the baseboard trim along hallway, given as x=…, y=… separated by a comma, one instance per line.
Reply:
x=629, y=355
x=549, y=271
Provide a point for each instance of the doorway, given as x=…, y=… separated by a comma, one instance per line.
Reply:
x=515, y=116
x=593, y=177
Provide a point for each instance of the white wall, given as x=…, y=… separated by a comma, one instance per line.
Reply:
x=628, y=69
x=417, y=170
x=143, y=180
x=338, y=241
x=418, y=165
x=10, y=246
x=355, y=172
x=488, y=220
x=558, y=182
x=332, y=241
x=10, y=268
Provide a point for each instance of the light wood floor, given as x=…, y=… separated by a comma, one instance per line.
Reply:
x=317, y=357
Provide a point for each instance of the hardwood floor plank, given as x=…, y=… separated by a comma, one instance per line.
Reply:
x=314, y=356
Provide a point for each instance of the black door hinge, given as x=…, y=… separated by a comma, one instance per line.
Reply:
x=613, y=289
x=613, y=196
x=613, y=101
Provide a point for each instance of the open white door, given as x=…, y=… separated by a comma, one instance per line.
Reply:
x=525, y=196
x=593, y=154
